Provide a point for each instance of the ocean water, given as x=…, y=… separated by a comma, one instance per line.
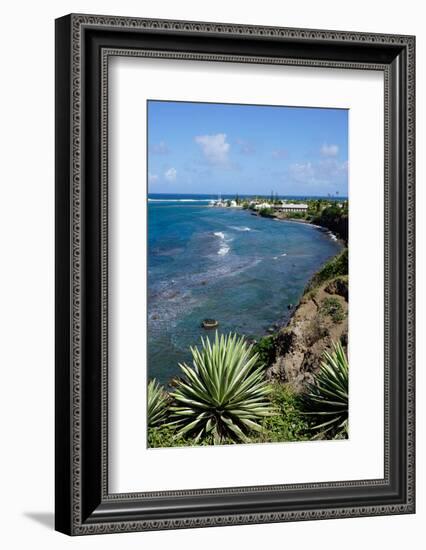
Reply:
x=225, y=264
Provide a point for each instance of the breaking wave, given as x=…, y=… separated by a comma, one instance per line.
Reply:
x=224, y=248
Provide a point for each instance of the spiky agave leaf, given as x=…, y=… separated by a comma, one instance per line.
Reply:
x=326, y=399
x=157, y=403
x=223, y=394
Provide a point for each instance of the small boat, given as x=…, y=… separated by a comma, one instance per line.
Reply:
x=209, y=323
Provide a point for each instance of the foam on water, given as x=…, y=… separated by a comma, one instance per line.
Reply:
x=224, y=248
x=238, y=228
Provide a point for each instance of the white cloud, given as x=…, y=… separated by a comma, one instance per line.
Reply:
x=326, y=171
x=302, y=173
x=332, y=169
x=329, y=150
x=170, y=174
x=215, y=149
x=152, y=177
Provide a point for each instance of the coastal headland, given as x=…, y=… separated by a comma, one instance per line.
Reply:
x=293, y=352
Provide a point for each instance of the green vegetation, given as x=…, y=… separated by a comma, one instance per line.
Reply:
x=315, y=206
x=157, y=404
x=165, y=436
x=296, y=215
x=332, y=307
x=224, y=399
x=224, y=394
x=334, y=217
x=168, y=436
x=287, y=423
x=337, y=266
x=266, y=350
x=266, y=212
x=326, y=399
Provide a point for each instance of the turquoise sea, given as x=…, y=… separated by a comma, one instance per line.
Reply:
x=221, y=263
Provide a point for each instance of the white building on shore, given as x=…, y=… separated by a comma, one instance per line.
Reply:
x=291, y=207
x=284, y=207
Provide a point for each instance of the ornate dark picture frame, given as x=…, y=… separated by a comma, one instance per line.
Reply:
x=83, y=45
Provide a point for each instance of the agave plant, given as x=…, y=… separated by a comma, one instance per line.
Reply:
x=326, y=398
x=157, y=404
x=224, y=394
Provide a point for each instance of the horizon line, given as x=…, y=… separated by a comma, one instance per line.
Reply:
x=252, y=194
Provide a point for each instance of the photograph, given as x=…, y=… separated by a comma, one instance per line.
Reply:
x=234, y=227
x=248, y=279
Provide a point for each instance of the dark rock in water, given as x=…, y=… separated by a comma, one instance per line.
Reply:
x=209, y=323
x=289, y=306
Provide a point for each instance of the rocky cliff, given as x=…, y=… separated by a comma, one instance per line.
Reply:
x=320, y=318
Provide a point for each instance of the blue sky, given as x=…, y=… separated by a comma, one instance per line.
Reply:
x=246, y=149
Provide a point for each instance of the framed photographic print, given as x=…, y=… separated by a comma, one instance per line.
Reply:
x=234, y=274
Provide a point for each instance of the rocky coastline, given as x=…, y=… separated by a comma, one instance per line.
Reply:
x=319, y=319
x=294, y=346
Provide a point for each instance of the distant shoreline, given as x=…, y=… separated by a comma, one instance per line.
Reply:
x=213, y=196
x=329, y=233
x=333, y=236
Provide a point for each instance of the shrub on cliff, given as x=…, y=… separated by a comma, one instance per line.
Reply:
x=334, y=218
x=266, y=350
x=336, y=267
x=224, y=395
x=287, y=423
x=333, y=308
